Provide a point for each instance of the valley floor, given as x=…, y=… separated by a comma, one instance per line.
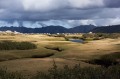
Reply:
x=72, y=53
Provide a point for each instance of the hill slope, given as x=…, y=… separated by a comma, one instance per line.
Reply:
x=82, y=29
x=107, y=29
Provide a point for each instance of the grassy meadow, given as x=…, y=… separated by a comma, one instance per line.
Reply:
x=50, y=49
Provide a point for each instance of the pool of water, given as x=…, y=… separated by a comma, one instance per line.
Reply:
x=76, y=40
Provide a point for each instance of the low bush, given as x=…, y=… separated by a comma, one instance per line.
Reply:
x=98, y=36
x=60, y=35
x=67, y=72
x=80, y=73
x=66, y=39
x=107, y=60
x=57, y=35
x=6, y=75
x=11, y=45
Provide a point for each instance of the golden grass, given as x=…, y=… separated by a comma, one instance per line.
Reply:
x=72, y=52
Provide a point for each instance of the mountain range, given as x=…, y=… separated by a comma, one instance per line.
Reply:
x=50, y=29
x=60, y=29
x=107, y=29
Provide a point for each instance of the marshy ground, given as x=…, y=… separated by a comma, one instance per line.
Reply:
x=41, y=59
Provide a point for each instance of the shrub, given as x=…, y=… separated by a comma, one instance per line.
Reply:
x=60, y=35
x=80, y=73
x=57, y=35
x=107, y=60
x=6, y=75
x=98, y=36
x=25, y=45
x=10, y=45
x=66, y=39
x=67, y=72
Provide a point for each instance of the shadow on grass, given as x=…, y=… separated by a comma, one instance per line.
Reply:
x=55, y=48
x=43, y=55
x=107, y=60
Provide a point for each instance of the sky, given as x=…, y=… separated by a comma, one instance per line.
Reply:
x=67, y=13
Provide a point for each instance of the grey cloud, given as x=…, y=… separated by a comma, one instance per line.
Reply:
x=112, y=3
x=45, y=10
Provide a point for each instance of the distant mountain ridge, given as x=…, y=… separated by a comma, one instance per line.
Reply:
x=59, y=29
x=50, y=29
x=82, y=29
x=107, y=29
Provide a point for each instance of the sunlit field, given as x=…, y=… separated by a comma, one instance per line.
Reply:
x=50, y=49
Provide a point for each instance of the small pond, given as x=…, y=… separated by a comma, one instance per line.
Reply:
x=76, y=40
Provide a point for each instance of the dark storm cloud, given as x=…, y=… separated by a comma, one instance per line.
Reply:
x=56, y=9
x=112, y=3
x=45, y=10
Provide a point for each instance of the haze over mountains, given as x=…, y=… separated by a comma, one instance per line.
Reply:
x=60, y=29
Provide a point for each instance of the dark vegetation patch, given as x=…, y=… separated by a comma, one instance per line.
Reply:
x=67, y=72
x=107, y=60
x=73, y=37
x=80, y=73
x=66, y=39
x=12, y=45
x=118, y=44
x=59, y=49
x=98, y=36
x=57, y=35
x=6, y=75
x=7, y=57
x=44, y=55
